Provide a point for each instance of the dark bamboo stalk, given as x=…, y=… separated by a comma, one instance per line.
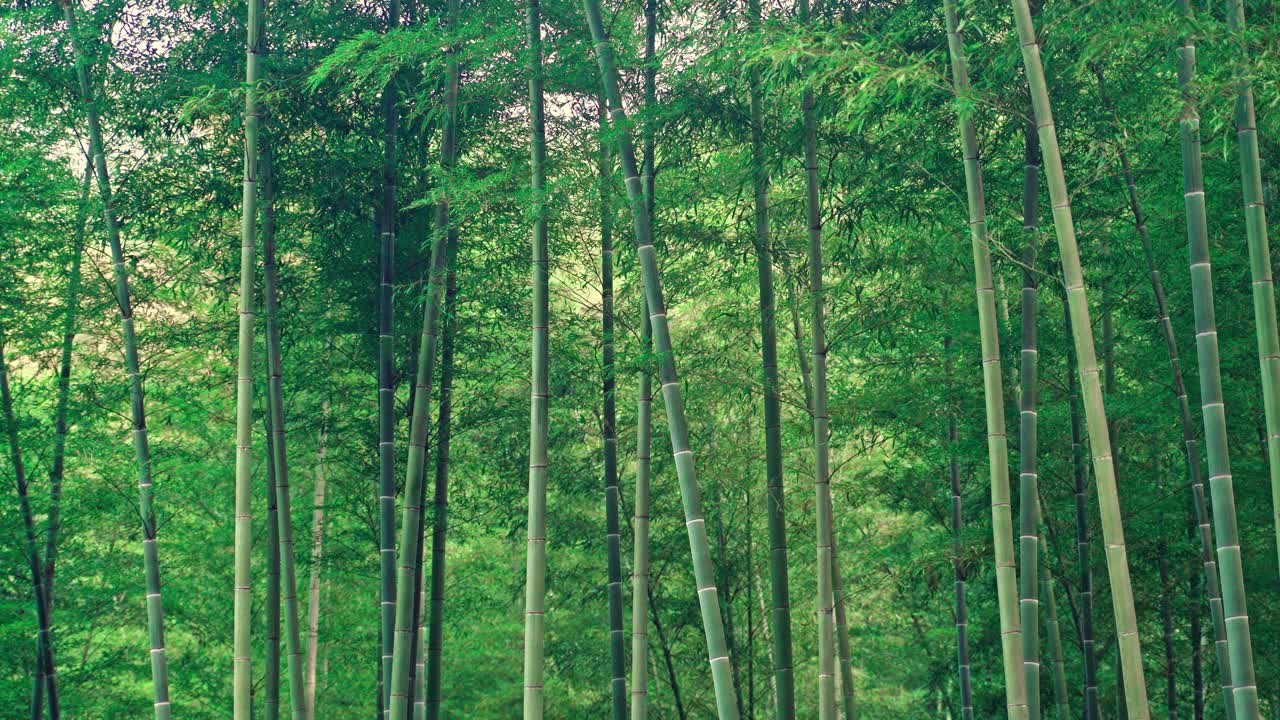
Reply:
x=1081, y=473
x=44, y=637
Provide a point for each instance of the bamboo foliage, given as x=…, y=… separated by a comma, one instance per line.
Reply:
x=536, y=552
x=1244, y=696
x=704, y=575
x=141, y=444
x=1095, y=411
x=992, y=383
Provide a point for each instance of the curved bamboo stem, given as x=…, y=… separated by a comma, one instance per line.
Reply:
x=704, y=575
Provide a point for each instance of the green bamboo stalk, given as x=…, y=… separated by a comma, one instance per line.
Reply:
x=411, y=525
x=613, y=537
x=957, y=554
x=1264, y=295
x=1235, y=614
x=821, y=420
x=440, y=500
x=271, y=677
x=993, y=384
x=848, y=699
x=242, y=681
x=44, y=641
x=1191, y=454
x=1080, y=472
x=644, y=412
x=536, y=557
x=640, y=528
x=142, y=447
x=386, y=382
x=1166, y=622
x=708, y=599
x=1061, y=700
x=1028, y=473
x=1095, y=410
x=779, y=590
x=280, y=459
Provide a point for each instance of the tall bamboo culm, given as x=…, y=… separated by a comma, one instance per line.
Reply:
x=142, y=448
x=242, y=675
x=1264, y=294
x=1028, y=474
x=1235, y=615
x=704, y=575
x=821, y=421
x=644, y=410
x=44, y=638
x=280, y=459
x=1191, y=446
x=411, y=525
x=536, y=553
x=1080, y=472
x=993, y=385
x=271, y=675
x=640, y=528
x=613, y=537
x=957, y=557
x=779, y=590
x=440, y=501
x=386, y=380
x=1095, y=410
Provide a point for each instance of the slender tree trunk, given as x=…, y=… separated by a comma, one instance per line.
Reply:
x=1081, y=474
x=957, y=556
x=440, y=517
x=993, y=390
x=142, y=447
x=821, y=421
x=1095, y=410
x=725, y=583
x=387, y=380
x=271, y=676
x=613, y=537
x=317, y=557
x=779, y=583
x=44, y=638
x=1028, y=473
x=1264, y=296
x=242, y=684
x=704, y=574
x=1060, y=693
x=411, y=526
x=536, y=557
x=1244, y=700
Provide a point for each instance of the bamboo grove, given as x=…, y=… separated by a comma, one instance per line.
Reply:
x=426, y=280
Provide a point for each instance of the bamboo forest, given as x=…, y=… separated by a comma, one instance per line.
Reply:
x=630, y=359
